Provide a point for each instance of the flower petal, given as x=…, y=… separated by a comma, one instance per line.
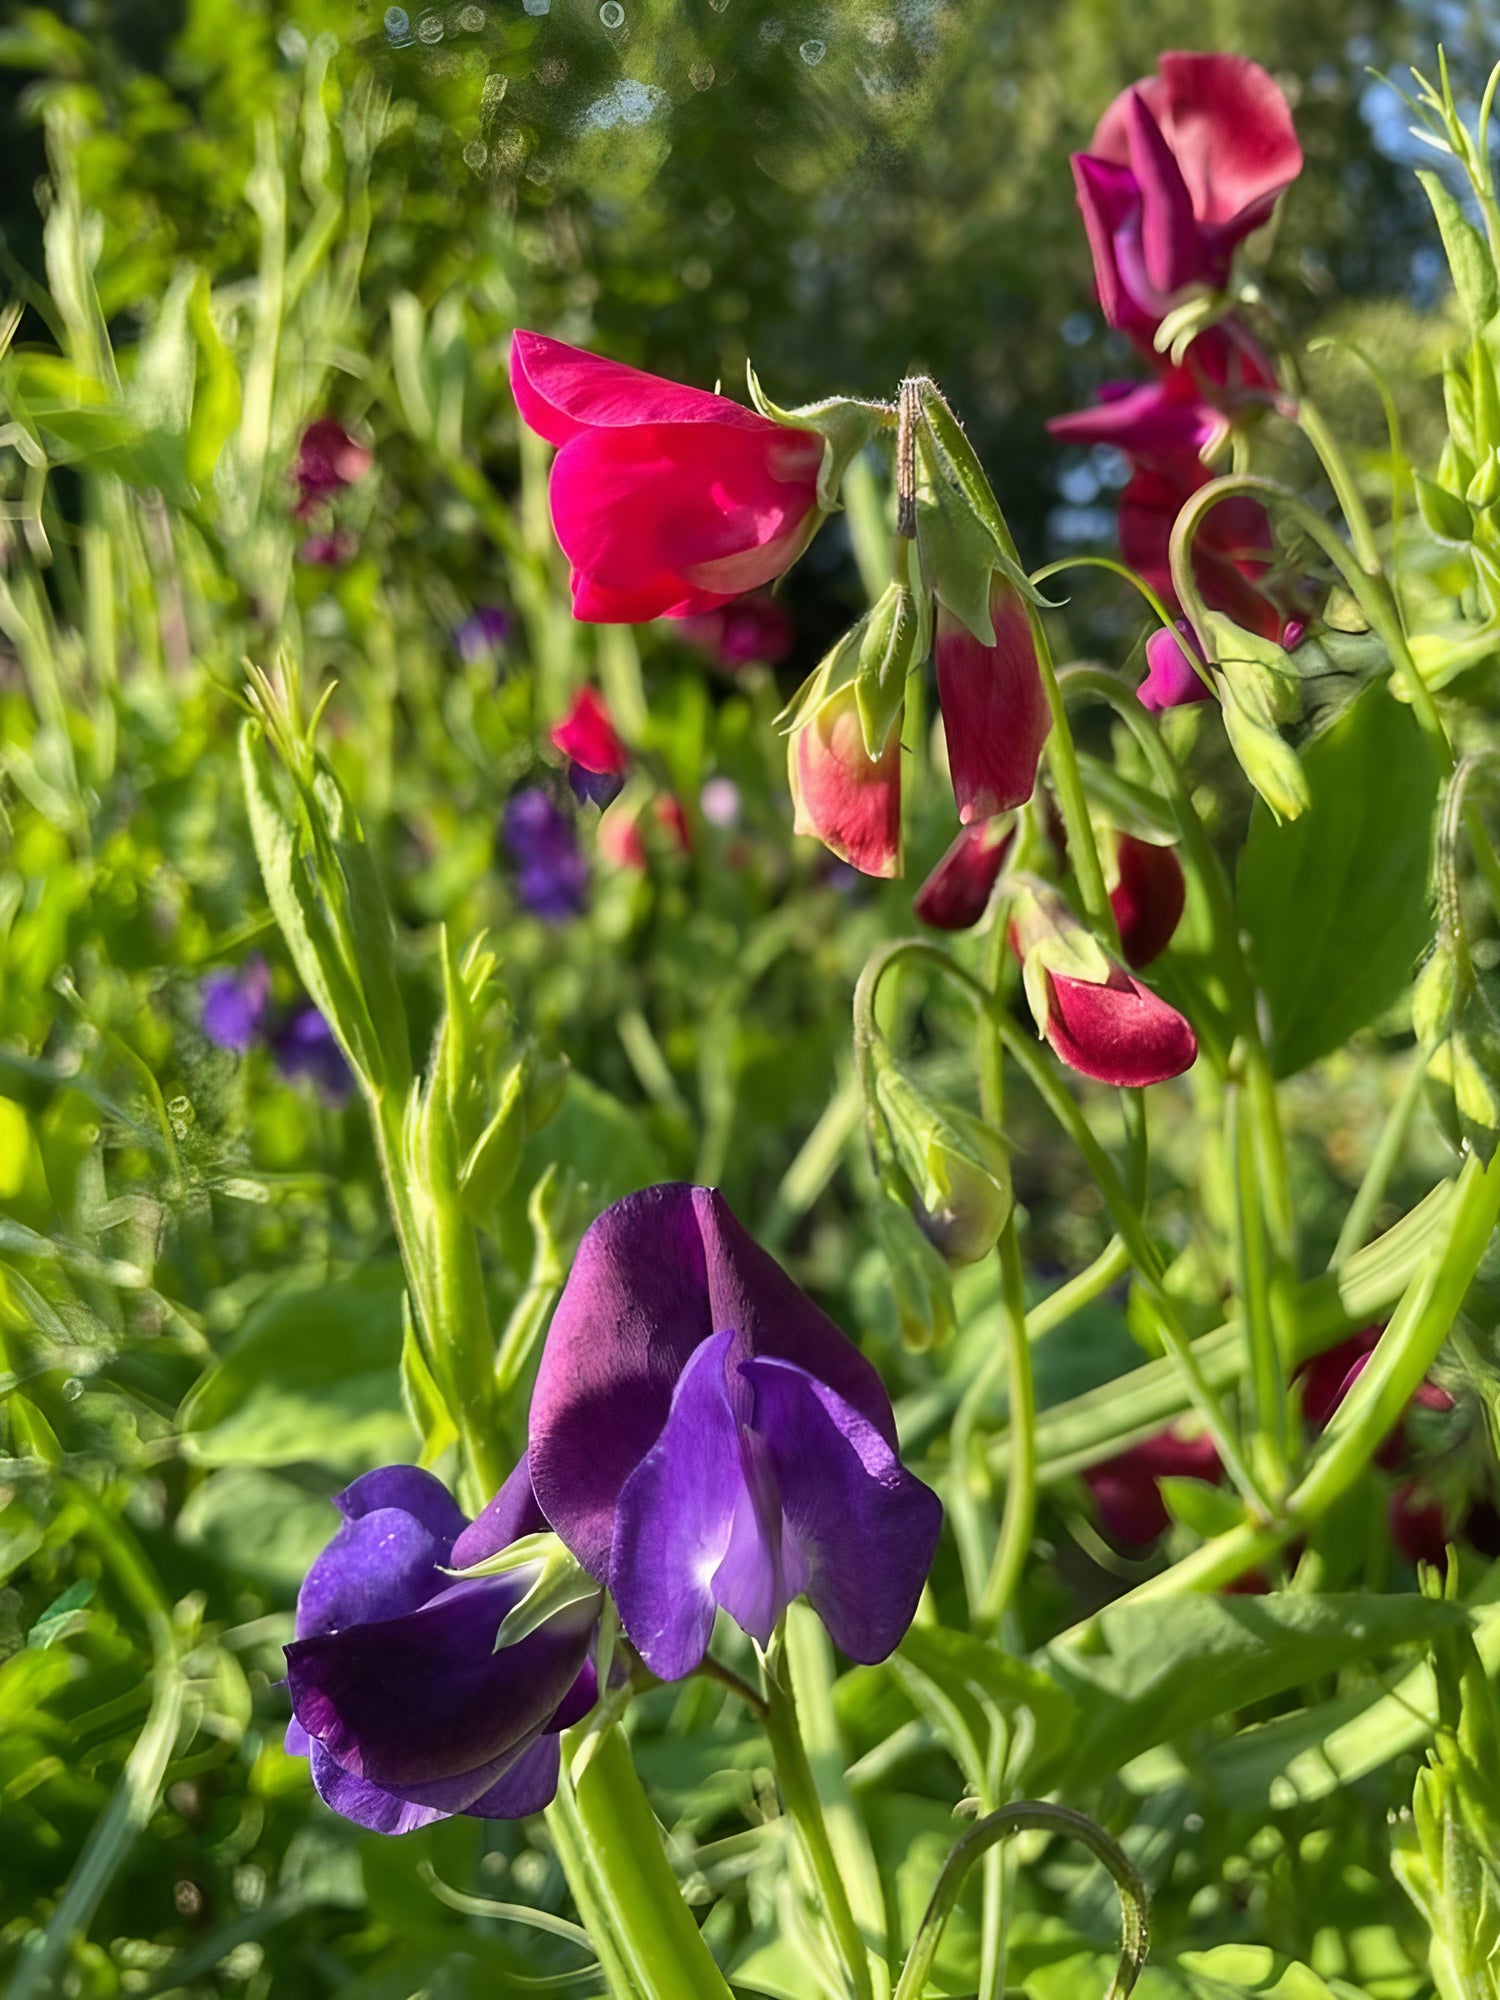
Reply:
x=840, y=797
x=562, y=390
x=1171, y=678
x=995, y=714
x=404, y=1701
x=867, y=1529
x=1119, y=1032
x=414, y=1491
x=674, y=1520
x=379, y=1565
x=511, y=1514
x=366, y=1804
x=1173, y=248
x=1148, y=900
x=957, y=892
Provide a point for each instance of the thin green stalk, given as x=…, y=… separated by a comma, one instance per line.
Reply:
x=1388, y=1149
x=571, y=1848
x=1312, y=424
x=1080, y=1290
x=805, y=1810
x=1019, y=1517
x=1062, y=762
x=1029, y=1815
x=1263, y=1356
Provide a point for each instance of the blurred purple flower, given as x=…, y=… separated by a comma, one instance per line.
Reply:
x=234, y=1005
x=400, y=1700
x=704, y=1438
x=305, y=1046
x=552, y=875
x=482, y=634
x=328, y=459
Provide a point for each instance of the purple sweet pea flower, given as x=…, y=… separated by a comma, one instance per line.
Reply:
x=703, y=1437
x=400, y=1701
x=234, y=1005
x=482, y=634
x=305, y=1046
x=552, y=875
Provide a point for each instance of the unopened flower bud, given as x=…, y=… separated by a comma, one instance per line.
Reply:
x=958, y=1168
x=920, y=1285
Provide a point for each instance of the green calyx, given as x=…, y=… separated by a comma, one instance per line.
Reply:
x=920, y=1285
x=845, y=424
x=1051, y=941
x=874, y=657
x=958, y=1167
x=1261, y=695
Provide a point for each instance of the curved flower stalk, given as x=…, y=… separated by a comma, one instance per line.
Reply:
x=703, y=1438
x=403, y=1699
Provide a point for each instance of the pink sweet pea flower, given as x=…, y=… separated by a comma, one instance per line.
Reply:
x=597, y=759
x=328, y=459
x=995, y=715
x=1148, y=899
x=1154, y=423
x=841, y=796
x=1184, y=166
x=752, y=631
x=1232, y=547
x=667, y=501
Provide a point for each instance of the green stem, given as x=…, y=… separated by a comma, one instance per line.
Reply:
x=805, y=1809
x=1080, y=1290
x=1314, y=428
x=1025, y=1816
x=1264, y=1370
x=571, y=1847
x=1019, y=1517
x=1062, y=762
x=1388, y=1149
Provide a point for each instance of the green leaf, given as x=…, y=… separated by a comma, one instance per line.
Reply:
x=1150, y=1673
x=1335, y=903
x=259, y=1525
x=1444, y=513
x=974, y=1680
x=312, y=1376
x=1468, y=254
x=1250, y=1968
x=1207, y=1510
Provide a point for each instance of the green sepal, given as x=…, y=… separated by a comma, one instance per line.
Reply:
x=833, y=673
x=920, y=1285
x=1260, y=696
x=1051, y=939
x=894, y=643
x=1195, y=1504
x=489, y=1167
x=1443, y=513
x=564, y=1586
x=966, y=531
x=845, y=424
x=1468, y=255
x=958, y=1167
x=1458, y=406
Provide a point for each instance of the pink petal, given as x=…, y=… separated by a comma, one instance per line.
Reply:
x=1173, y=248
x=849, y=803
x=562, y=390
x=1148, y=900
x=995, y=714
x=588, y=736
x=1118, y=1033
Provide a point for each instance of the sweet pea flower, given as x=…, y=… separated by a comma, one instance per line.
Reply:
x=1127, y=1487
x=1148, y=898
x=995, y=714
x=1157, y=423
x=840, y=795
x=597, y=759
x=552, y=876
x=667, y=501
x=234, y=1005
x=480, y=636
x=754, y=630
x=1232, y=545
x=1183, y=167
x=957, y=892
x=1097, y=1016
x=702, y=1437
x=328, y=459
x=622, y=841
x=400, y=1700
x=306, y=1046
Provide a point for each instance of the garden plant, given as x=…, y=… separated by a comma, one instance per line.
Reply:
x=745, y=1247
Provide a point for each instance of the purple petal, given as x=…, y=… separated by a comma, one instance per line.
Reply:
x=234, y=1005
x=407, y=1700
x=866, y=1527
x=511, y=1514
x=529, y=1786
x=306, y=1046
x=654, y=1277
x=296, y=1742
x=763, y=1568
x=366, y=1804
x=414, y=1491
x=675, y=1517
x=378, y=1567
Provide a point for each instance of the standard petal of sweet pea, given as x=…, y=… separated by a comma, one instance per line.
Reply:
x=414, y=1491
x=407, y=1701
x=1119, y=1033
x=866, y=1528
x=839, y=796
x=654, y=1278
x=673, y=519
x=1230, y=131
x=1173, y=249
x=995, y=715
x=1109, y=199
x=587, y=734
x=380, y=1565
x=675, y=1517
x=562, y=390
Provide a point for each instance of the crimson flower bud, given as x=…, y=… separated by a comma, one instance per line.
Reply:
x=597, y=759
x=842, y=796
x=995, y=714
x=1097, y=1016
x=1148, y=898
x=957, y=892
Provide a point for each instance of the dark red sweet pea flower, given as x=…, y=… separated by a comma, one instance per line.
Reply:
x=667, y=500
x=328, y=459
x=702, y=1437
x=1126, y=1487
x=1148, y=899
x=839, y=794
x=400, y=1700
x=1118, y=1031
x=1232, y=546
x=995, y=714
x=957, y=892
x=1183, y=167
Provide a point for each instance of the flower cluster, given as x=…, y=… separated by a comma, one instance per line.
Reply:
x=702, y=1438
x=1184, y=166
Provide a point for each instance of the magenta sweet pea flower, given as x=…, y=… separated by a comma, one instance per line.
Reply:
x=597, y=759
x=328, y=459
x=1172, y=680
x=400, y=1700
x=957, y=892
x=704, y=1438
x=1155, y=423
x=840, y=795
x=1232, y=547
x=667, y=501
x=1183, y=167
x=752, y=630
x=995, y=714
x=1148, y=898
